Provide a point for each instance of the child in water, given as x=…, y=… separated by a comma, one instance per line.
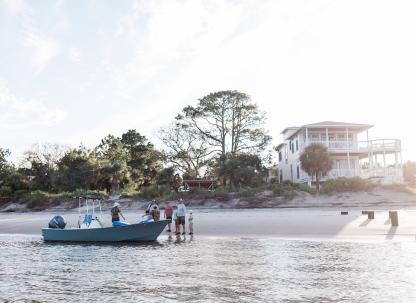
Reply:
x=191, y=223
x=175, y=219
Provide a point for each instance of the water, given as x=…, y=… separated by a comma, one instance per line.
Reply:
x=207, y=269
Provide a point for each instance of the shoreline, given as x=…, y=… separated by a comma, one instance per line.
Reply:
x=254, y=224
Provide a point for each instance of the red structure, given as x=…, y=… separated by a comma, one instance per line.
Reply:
x=206, y=184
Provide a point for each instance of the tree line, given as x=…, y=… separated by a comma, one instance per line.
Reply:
x=222, y=137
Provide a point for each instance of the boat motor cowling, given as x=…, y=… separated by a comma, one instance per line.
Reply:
x=57, y=222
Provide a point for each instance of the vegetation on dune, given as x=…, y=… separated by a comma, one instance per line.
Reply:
x=346, y=185
x=220, y=138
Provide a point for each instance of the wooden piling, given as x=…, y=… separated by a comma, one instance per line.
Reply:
x=394, y=218
x=344, y=213
x=370, y=214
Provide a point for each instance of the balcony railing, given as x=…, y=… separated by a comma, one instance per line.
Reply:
x=387, y=145
x=366, y=173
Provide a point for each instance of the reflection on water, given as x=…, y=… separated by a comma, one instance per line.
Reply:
x=196, y=269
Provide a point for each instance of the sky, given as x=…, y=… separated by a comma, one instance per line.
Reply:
x=75, y=71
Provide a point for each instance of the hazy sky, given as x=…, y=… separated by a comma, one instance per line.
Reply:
x=74, y=71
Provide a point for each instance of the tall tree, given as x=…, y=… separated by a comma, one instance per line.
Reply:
x=40, y=165
x=113, y=162
x=241, y=170
x=144, y=159
x=4, y=165
x=228, y=121
x=316, y=162
x=185, y=149
x=78, y=169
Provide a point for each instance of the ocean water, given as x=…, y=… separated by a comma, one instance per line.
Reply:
x=207, y=269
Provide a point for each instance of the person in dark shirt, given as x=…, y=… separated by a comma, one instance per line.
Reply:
x=116, y=213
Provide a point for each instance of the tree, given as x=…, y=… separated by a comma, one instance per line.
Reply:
x=241, y=170
x=78, y=169
x=39, y=165
x=185, y=149
x=144, y=159
x=4, y=164
x=228, y=121
x=112, y=163
x=316, y=162
x=409, y=172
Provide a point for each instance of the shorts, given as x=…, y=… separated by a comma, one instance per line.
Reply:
x=169, y=218
x=181, y=220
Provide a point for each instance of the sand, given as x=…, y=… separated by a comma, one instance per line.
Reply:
x=285, y=223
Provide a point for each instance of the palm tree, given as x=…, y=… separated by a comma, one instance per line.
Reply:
x=316, y=162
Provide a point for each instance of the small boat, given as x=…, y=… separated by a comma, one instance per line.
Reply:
x=91, y=229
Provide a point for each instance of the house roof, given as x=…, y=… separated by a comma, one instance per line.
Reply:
x=295, y=128
x=333, y=124
x=280, y=146
x=327, y=124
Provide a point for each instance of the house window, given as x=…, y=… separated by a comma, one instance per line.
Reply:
x=281, y=176
x=293, y=147
x=286, y=153
x=280, y=156
x=290, y=145
x=297, y=172
x=297, y=145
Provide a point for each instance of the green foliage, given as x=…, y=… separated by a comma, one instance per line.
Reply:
x=155, y=191
x=346, y=185
x=316, y=161
x=228, y=121
x=241, y=170
x=6, y=191
x=77, y=169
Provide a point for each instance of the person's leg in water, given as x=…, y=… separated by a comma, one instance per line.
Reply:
x=191, y=228
x=183, y=225
x=177, y=227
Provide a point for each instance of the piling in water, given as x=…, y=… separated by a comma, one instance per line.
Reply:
x=394, y=218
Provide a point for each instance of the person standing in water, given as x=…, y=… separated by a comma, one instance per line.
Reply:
x=168, y=214
x=181, y=213
x=191, y=223
x=175, y=219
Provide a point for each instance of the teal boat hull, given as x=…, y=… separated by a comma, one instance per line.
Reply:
x=143, y=232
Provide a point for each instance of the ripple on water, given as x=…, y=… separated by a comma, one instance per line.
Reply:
x=208, y=270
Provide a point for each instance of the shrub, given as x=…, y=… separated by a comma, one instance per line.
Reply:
x=247, y=191
x=345, y=185
x=6, y=191
x=155, y=191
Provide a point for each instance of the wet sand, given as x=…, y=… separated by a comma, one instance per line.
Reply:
x=287, y=223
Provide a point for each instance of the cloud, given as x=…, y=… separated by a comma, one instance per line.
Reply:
x=42, y=46
x=74, y=55
x=17, y=113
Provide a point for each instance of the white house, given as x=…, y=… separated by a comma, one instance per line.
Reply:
x=370, y=159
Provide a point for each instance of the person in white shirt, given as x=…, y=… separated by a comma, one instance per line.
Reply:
x=181, y=213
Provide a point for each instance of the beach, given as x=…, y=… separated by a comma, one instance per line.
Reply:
x=284, y=223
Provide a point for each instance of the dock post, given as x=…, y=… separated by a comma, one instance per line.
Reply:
x=394, y=218
x=370, y=215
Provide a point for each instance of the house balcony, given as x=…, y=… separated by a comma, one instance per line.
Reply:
x=387, y=174
x=380, y=146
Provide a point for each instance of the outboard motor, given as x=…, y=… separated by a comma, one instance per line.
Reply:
x=57, y=222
